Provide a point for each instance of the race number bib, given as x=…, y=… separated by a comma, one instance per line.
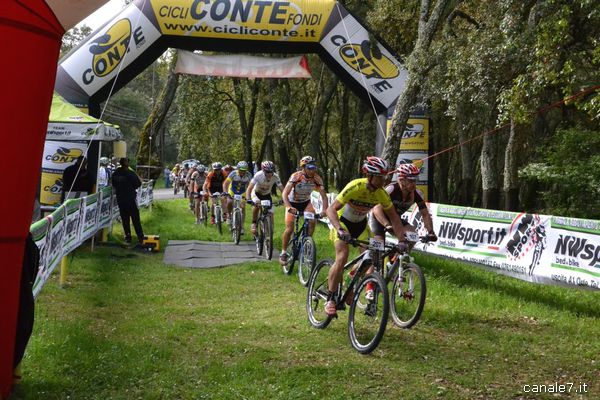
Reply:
x=237, y=197
x=376, y=244
x=412, y=236
x=265, y=203
x=309, y=215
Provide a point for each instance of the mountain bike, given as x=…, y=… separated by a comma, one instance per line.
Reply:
x=264, y=230
x=237, y=218
x=367, y=322
x=217, y=211
x=301, y=248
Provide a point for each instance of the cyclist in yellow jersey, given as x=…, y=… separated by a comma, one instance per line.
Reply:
x=348, y=216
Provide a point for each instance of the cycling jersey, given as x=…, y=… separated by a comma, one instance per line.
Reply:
x=264, y=185
x=303, y=186
x=215, y=181
x=402, y=205
x=198, y=179
x=358, y=200
x=238, y=183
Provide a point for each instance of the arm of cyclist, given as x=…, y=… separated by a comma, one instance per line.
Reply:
x=428, y=221
x=332, y=214
x=390, y=220
x=249, y=193
x=284, y=196
x=324, y=198
x=226, y=185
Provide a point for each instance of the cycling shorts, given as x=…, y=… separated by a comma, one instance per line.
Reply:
x=301, y=207
x=357, y=230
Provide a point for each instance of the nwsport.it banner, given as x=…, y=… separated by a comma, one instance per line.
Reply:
x=532, y=247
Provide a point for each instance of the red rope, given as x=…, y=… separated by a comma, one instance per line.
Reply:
x=538, y=111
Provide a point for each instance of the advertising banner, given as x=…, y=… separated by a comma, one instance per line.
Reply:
x=40, y=232
x=104, y=216
x=90, y=215
x=270, y=20
x=57, y=156
x=370, y=64
x=110, y=50
x=531, y=247
x=73, y=219
x=57, y=233
x=242, y=66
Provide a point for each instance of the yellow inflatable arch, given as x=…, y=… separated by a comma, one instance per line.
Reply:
x=133, y=39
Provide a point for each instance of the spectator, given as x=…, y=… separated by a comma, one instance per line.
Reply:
x=103, y=173
x=167, y=173
x=125, y=181
x=76, y=182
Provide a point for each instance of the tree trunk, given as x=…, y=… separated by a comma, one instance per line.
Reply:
x=465, y=186
x=489, y=173
x=146, y=151
x=511, y=178
x=319, y=116
x=418, y=68
x=246, y=121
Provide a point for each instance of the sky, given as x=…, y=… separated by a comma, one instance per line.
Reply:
x=103, y=14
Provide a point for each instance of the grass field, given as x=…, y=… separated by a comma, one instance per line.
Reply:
x=129, y=327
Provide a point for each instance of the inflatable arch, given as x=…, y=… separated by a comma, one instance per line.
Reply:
x=134, y=38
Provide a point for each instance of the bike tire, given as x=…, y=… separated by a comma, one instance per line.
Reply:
x=268, y=237
x=407, y=297
x=317, y=295
x=219, y=220
x=204, y=213
x=367, y=326
x=307, y=259
x=260, y=236
x=292, y=256
x=236, y=231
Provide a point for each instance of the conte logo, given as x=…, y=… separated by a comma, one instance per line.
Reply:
x=56, y=187
x=368, y=60
x=64, y=155
x=110, y=48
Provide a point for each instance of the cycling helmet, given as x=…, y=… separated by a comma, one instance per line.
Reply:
x=307, y=160
x=375, y=166
x=227, y=168
x=201, y=168
x=103, y=160
x=217, y=165
x=408, y=171
x=242, y=166
x=267, y=166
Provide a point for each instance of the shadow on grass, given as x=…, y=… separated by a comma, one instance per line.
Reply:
x=581, y=303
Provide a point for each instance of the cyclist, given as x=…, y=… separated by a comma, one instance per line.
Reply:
x=260, y=188
x=236, y=183
x=296, y=197
x=403, y=194
x=190, y=185
x=175, y=174
x=198, y=179
x=348, y=217
x=228, y=169
x=214, y=184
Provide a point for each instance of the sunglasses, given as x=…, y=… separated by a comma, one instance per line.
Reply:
x=311, y=167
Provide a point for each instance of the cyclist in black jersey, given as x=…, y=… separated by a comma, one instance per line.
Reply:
x=403, y=194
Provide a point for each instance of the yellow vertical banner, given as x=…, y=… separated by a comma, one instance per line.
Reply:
x=414, y=148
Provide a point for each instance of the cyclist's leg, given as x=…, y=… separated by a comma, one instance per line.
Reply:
x=197, y=200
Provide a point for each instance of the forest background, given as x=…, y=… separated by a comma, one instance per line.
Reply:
x=511, y=89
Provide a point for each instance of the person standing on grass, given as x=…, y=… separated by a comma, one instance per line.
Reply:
x=126, y=181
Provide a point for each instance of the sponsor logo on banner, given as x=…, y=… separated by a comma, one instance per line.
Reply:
x=294, y=20
x=116, y=46
x=51, y=185
x=368, y=60
x=372, y=66
x=64, y=155
x=527, y=236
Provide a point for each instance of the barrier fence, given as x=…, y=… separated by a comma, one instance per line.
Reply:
x=532, y=247
x=74, y=222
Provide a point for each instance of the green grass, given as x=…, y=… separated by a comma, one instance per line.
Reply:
x=129, y=327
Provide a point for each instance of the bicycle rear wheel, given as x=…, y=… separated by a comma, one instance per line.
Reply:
x=407, y=296
x=307, y=259
x=268, y=237
x=292, y=256
x=367, y=326
x=317, y=295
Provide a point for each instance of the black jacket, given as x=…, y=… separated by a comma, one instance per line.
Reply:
x=125, y=182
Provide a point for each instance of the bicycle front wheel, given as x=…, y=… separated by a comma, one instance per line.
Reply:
x=219, y=220
x=367, y=326
x=237, y=226
x=317, y=295
x=407, y=297
x=308, y=254
x=260, y=237
x=268, y=237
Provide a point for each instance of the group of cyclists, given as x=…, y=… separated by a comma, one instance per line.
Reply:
x=368, y=206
